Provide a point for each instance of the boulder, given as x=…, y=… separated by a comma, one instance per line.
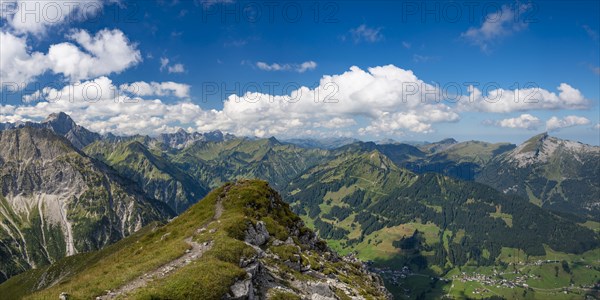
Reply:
x=257, y=234
x=242, y=290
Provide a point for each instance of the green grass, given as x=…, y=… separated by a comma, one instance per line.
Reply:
x=507, y=218
x=595, y=226
x=206, y=278
x=547, y=281
x=111, y=267
x=283, y=295
x=472, y=151
x=338, y=195
x=378, y=245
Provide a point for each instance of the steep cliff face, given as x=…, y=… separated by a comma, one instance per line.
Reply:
x=55, y=201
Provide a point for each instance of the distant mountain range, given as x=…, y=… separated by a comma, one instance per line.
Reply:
x=323, y=143
x=182, y=138
x=432, y=207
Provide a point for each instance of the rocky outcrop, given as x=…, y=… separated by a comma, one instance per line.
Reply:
x=242, y=290
x=63, y=125
x=257, y=234
x=268, y=274
x=282, y=267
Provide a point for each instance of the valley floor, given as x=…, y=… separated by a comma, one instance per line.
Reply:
x=535, y=280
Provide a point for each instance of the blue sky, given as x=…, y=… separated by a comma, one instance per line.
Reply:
x=188, y=56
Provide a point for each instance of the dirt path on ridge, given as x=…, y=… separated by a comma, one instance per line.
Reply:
x=196, y=251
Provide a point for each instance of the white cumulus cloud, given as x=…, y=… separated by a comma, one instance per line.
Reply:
x=171, y=68
x=364, y=101
x=17, y=63
x=109, y=51
x=524, y=121
x=169, y=88
x=90, y=56
x=556, y=123
x=102, y=106
x=378, y=101
x=505, y=101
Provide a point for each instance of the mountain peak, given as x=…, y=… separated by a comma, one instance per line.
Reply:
x=58, y=117
x=63, y=125
x=538, y=138
x=533, y=144
x=439, y=146
x=244, y=249
x=448, y=141
x=60, y=122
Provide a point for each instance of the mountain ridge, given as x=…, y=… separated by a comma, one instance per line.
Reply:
x=250, y=246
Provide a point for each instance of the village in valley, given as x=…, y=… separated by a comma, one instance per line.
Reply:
x=485, y=282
